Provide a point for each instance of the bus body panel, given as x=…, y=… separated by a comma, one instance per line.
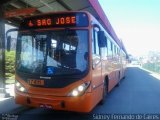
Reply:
x=79, y=104
x=114, y=66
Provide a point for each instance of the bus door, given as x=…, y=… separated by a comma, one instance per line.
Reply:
x=96, y=67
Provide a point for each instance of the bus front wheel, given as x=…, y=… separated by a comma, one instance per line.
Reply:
x=104, y=93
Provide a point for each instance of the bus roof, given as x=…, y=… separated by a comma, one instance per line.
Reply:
x=105, y=22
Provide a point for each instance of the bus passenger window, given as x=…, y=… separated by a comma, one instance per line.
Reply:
x=103, y=50
x=114, y=50
x=95, y=47
x=53, y=43
x=66, y=47
x=106, y=50
x=110, y=49
x=96, y=39
x=111, y=46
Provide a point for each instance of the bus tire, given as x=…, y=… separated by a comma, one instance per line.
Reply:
x=118, y=84
x=104, y=93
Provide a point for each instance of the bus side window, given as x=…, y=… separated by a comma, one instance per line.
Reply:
x=110, y=49
x=104, y=51
x=95, y=46
x=93, y=43
x=114, y=51
x=53, y=43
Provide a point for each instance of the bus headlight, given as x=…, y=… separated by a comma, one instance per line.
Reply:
x=20, y=87
x=79, y=90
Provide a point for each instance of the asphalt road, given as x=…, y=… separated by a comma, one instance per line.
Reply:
x=138, y=93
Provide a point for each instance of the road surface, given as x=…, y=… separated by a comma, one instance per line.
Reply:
x=138, y=93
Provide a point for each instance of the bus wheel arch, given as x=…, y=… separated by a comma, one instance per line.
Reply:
x=105, y=91
x=119, y=79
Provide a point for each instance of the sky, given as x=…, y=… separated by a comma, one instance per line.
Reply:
x=136, y=22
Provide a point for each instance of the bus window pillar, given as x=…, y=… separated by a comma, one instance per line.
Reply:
x=2, y=51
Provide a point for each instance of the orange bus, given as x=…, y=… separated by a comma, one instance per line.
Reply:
x=66, y=61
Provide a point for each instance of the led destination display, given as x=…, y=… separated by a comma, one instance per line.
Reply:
x=56, y=20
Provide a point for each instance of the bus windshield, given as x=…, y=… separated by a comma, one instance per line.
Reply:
x=56, y=52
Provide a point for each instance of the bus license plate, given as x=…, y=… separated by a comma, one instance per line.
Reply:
x=46, y=106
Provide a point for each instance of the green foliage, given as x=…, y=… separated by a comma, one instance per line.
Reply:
x=155, y=67
x=9, y=64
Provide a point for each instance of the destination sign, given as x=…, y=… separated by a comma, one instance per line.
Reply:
x=78, y=19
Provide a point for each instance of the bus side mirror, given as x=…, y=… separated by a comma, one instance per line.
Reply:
x=9, y=43
x=101, y=39
x=9, y=38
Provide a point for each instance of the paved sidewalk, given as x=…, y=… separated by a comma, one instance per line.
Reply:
x=10, y=89
x=8, y=105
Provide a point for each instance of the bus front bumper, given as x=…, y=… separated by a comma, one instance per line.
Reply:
x=78, y=104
